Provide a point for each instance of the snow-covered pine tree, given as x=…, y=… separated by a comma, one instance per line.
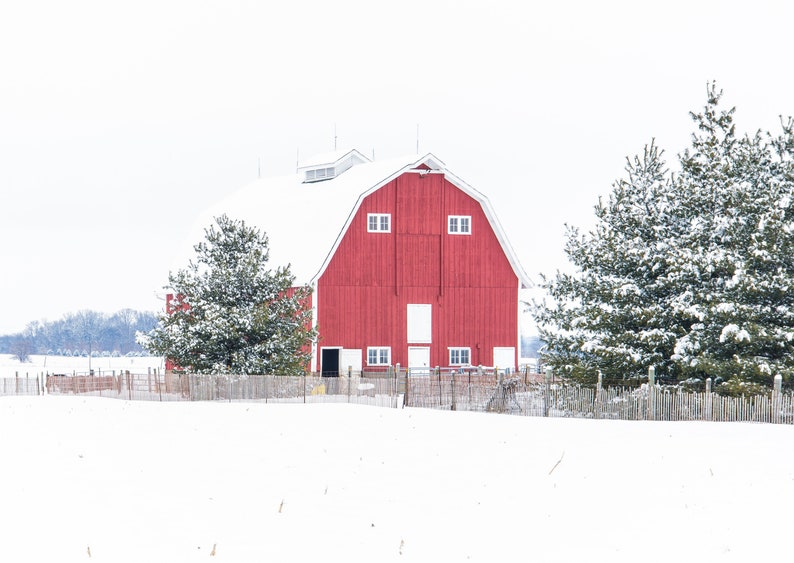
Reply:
x=612, y=314
x=689, y=272
x=241, y=317
x=738, y=251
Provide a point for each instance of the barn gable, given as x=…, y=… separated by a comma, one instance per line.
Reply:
x=429, y=164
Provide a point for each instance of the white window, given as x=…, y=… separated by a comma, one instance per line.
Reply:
x=459, y=224
x=378, y=223
x=459, y=356
x=378, y=356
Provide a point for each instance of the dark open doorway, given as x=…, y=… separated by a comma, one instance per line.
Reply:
x=329, y=362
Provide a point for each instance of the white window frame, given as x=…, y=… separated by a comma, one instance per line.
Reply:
x=379, y=219
x=382, y=355
x=458, y=361
x=459, y=224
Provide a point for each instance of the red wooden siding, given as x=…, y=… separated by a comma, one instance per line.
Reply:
x=363, y=294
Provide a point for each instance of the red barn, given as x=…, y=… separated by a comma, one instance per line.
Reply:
x=408, y=263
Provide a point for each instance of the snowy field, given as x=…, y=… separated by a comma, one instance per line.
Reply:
x=94, y=479
x=10, y=366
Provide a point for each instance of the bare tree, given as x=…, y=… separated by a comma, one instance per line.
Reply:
x=87, y=326
x=124, y=322
x=21, y=347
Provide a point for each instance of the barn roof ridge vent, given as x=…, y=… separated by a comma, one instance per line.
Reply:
x=330, y=165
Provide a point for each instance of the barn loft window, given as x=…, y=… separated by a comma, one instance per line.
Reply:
x=459, y=356
x=378, y=356
x=378, y=223
x=319, y=174
x=420, y=323
x=459, y=224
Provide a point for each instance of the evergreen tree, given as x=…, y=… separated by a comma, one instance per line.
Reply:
x=691, y=272
x=238, y=316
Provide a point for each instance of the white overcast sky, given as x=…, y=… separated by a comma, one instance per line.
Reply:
x=121, y=121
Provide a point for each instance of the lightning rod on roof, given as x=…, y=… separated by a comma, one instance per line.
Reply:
x=334, y=137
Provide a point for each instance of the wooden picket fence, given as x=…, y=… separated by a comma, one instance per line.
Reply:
x=522, y=396
x=436, y=389
x=230, y=388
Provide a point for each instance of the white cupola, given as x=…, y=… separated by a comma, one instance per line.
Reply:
x=329, y=165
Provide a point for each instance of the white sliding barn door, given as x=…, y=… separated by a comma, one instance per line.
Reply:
x=419, y=360
x=504, y=359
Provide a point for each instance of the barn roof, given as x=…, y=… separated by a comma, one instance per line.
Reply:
x=306, y=221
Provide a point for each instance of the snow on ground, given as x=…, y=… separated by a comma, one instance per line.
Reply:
x=38, y=364
x=96, y=479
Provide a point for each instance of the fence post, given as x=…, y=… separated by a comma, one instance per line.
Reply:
x=389, y=384
x=599, y=386
x=469, y=387
x=546, y=390
x=453, y=390
x=652, y=393
x=438, y=373
x=776, y=396
x=304, y=388
x=707, y=408
x=407, y=385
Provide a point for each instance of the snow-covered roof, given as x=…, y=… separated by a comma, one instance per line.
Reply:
x=305, y=222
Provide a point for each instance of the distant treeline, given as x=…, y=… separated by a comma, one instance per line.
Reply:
x=100, y=334
x=80, y=334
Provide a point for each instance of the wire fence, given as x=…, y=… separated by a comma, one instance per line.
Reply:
x=472, y=390
x=21, y=385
